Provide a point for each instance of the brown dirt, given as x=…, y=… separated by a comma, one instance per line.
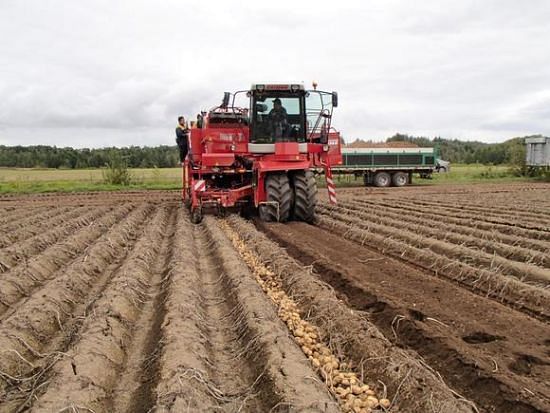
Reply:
x=16, y=215
x=21, y=281
x=449, y=225
x=442, y=243
x=19, y=231
x=36, y=335
x=523, y=195
x=410, y=384
x=104, y=317
x=19, y=252
x=533, y=300
x=476, y=344
x=93, y=363
x=116, y=302
x=48, y=200
x=225, y=348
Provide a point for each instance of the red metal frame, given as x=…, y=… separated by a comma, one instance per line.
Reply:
x=220, y=152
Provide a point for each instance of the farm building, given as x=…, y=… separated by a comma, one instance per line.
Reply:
x=538, y=151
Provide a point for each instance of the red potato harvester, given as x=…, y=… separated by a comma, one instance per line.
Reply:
x=263, y=157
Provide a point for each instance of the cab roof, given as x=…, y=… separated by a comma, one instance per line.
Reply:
x=292, y=87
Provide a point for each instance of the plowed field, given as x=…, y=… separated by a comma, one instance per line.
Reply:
x=396, y=300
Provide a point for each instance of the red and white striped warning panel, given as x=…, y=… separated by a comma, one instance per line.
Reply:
x=331, y=191
x=200, y=185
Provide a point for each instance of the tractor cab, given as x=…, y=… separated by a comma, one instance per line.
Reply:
x=278, y=113
x=288, y=113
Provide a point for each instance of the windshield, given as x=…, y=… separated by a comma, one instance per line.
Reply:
x=278, y=118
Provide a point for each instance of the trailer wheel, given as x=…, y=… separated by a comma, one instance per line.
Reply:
x=399, y=179
x=305, y=196
x=382, y=179
x=279, y=198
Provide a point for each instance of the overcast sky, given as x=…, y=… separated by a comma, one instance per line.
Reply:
x=98, y=73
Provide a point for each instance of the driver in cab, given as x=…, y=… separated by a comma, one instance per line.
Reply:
x=278, y=120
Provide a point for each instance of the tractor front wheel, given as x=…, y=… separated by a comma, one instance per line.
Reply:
x=279, y=198
x=305, y=196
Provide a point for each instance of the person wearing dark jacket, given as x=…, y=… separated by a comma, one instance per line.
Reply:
x=182, y=135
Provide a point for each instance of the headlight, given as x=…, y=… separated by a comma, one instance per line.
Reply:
x=326, y=148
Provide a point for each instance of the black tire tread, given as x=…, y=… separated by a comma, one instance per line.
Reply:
x=305, y=196
x=277, y=187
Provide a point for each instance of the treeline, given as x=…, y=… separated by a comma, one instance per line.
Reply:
x=509, y=152
x=69, y=158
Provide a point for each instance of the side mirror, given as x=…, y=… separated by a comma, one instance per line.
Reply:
x=334, y=99
x=225, y=101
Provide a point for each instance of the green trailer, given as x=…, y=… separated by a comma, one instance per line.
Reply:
x=389, y=166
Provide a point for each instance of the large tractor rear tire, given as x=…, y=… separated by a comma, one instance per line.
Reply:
x=305, y=196
x=279, y=198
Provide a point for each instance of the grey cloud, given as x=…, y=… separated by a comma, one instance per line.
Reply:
x=530, y=114
x=127, y=70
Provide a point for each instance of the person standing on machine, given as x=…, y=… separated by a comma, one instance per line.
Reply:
x=182, y=138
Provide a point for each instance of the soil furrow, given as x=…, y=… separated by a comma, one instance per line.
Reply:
x=87, y=375
x=413, y=387
x=135, y=389
x=474, y=220
x=18, y=253
x=533, y=300
x=523, y=272
x=446, y=232
x=172, y=197
x=32, y=336
x=21, y=215
x=524, y=190
x=252, y=335
x=541, y=229
x=508, y=206
x=468, y=207
x=259, y=368
x=459, y=226
x=22, y=281
x=180, y=356
x=53, y=218
x=225, y=369
x=464, y=339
